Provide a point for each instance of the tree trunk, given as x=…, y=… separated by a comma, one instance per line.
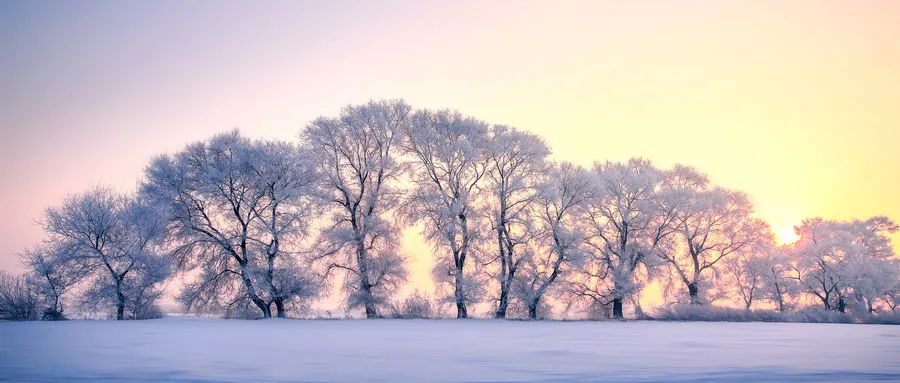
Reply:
x=461, y=310
x=532, y=308
x=251, y=293
x=617, y=308
x=504, y=290
x=504, y=300
x=120, y=309
x=694, y=293
x=364, y=286
x=120, y=301
x=842, y=305
x=279, y=305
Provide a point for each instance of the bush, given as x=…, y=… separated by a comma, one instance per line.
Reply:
x=705, y=313
x=52, y=314
x=882, y=318
x=818, y=315
x=18, y=301
x=416, y=306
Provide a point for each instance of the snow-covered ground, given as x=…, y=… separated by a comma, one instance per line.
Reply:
x=195, y=350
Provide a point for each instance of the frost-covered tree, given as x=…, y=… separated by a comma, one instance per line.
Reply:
x=516, y=161
x=746, y=271
x=845, y=262
x=237, y=210
x=18, y=300
x=112, y=241
x=448, y=162
x=357, y=155
x=559, y=233
x=50, y=276
x=628, y=225
x=711, y=224
x=778, y=286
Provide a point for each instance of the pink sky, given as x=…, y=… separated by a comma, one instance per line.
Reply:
x=797, y=103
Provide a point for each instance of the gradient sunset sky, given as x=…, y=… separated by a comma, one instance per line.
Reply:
x=797, y=103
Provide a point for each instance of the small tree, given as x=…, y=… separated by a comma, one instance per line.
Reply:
x=50, y=276
x=746, y=271
x=18, y=301
x=777, y=284
x=111, y=240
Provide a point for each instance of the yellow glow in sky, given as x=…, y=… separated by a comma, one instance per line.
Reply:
x=796, y=103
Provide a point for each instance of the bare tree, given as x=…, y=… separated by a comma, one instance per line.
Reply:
x=110, y=239
x=357, y=153
x=559, y=211
x=516, y=160
x=449, y=162
x=233, y=209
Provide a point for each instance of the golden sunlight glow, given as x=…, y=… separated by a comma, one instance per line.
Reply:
x=786, y=235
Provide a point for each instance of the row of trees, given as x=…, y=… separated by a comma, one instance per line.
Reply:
x=266, y=227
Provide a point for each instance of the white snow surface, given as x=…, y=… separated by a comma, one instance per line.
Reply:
x=185, y=349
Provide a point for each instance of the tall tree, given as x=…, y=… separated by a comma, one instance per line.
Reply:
x=449, y=162
x=230, y=205
x=516, y=160
x=356, y=153
x=628, y=225
x=559, y=211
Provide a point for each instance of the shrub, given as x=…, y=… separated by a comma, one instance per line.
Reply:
x=18, y=301
x=882, y=318
x=416, y=306
x=818, y=315
x=706, y=313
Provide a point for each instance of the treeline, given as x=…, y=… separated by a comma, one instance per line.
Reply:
x=263, y=228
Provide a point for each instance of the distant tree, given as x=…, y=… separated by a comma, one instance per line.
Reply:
x=777, y=284
x=18, y=301
x=111, y=240
x=746, y=271
x=516, y=160
x=842, y=261
x=448, y=162
x=559, y=210
x=237, y=210
x=712, y=223
x=357, y=154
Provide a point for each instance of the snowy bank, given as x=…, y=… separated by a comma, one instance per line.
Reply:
x=194, y=350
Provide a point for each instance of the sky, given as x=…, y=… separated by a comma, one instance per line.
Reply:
x=796, y=103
